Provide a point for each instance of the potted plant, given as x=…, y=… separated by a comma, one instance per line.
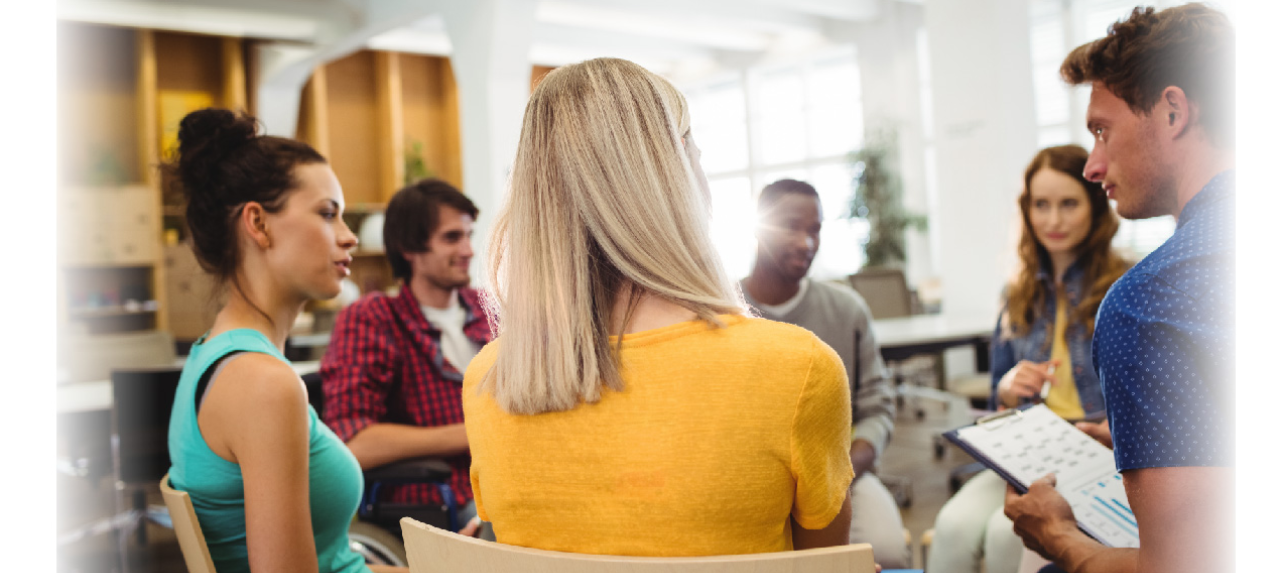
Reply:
x=877, y=199
x=415, y=163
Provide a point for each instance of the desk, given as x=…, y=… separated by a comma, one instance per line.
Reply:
x=902, y=338
x=95, y=395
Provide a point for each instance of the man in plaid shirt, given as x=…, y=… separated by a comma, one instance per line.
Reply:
x=393, y=370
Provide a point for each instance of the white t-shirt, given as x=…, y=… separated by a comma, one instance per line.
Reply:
x=457, y=348
x=784, y=308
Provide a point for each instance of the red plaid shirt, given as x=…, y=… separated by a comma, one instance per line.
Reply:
x=384, y=365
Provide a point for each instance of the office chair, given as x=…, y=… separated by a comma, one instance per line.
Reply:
x=885, y=291
x=434, y=550
x=140, y=448
x=92, y=357
x=888, y=296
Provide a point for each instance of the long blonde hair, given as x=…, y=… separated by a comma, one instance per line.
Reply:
x=603, y=201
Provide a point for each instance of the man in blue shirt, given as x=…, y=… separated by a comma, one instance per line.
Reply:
x=1162, y=115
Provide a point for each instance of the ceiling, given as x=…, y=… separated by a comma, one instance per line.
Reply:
x=679, y=38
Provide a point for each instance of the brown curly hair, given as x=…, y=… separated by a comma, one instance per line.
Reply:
x=1026, y=295
x=1190, y=46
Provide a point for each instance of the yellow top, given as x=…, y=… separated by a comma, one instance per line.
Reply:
x=1063, y=398
x=718, y=439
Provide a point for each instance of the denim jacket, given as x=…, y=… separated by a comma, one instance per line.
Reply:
x=1037, y=346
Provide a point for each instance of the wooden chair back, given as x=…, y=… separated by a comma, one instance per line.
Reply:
x=190, y=538
x=434, y=550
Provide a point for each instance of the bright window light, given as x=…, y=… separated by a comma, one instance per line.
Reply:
x=800, y=121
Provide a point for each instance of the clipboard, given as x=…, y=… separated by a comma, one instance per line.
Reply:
x=1026, y=443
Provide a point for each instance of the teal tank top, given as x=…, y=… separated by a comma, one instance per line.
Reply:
x=216, y=486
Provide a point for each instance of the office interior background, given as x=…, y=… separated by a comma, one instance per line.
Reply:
x=959, y=93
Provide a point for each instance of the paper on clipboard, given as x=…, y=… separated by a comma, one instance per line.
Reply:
x=1028, y=443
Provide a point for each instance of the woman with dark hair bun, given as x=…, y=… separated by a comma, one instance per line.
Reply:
x=273, y=487
x=1041, y=347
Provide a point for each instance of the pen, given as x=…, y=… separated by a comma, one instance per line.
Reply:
x=1044, y=390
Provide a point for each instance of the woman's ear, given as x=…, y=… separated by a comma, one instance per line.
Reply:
x=253, y=218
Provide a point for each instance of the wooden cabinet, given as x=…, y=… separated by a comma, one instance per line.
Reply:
x=373, y=111
x=122, y=93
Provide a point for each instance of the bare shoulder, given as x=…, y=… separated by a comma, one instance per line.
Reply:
x=254, y=381
x=256, y=401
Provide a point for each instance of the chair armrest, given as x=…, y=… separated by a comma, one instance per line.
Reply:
x=415, y=470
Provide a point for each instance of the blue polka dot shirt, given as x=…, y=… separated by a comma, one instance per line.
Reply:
x=1163, y=343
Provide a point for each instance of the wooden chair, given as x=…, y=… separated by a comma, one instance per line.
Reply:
x=190, y=538
x=434, y=550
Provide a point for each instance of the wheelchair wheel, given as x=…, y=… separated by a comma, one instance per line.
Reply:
x=377, y=545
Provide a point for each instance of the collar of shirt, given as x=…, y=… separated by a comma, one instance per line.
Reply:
x=1222, y=185
x=468, y=298
x=787, y=306
x=1045, y=272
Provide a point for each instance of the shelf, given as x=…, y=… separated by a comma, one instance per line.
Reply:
x=365, y=208
x=106, y=266
x=149, y=307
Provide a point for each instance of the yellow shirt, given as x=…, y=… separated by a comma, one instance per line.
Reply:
x=1064, y=399
x=719, y=438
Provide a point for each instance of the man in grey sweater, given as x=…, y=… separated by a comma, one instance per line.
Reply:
x=790, y=215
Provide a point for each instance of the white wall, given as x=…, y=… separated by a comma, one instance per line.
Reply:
x=491, y=40
x=984, y=114
x=888, y=61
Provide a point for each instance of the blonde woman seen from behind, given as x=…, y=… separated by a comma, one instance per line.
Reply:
x=629, y=405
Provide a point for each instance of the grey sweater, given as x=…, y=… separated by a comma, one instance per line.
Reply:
x=834, y=314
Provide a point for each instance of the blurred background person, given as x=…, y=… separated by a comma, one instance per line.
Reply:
x=1043, y=337
x=789, y=232
x=393, y=369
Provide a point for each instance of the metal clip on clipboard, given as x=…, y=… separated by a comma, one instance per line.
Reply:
x=993, y=421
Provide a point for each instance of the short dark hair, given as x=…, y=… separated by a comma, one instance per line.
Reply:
x=774, y=192
x=413, y=215
x=1190, y=46
x=221, y=164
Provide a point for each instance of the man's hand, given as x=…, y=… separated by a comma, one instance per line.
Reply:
x=863, y=457
x=1041, y=517
x=471, y=529
x=1100, y=432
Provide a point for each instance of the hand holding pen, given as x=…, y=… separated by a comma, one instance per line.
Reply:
x=1027, y=380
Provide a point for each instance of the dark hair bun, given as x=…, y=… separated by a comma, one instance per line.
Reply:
x=206, y=137
x=223, y=163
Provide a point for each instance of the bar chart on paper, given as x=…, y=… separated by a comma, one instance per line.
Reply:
x=1104, y=508
x=1028, y=444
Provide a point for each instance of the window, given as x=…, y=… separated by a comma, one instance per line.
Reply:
x=798, y=120
x=1058, y=26
x=925, y=80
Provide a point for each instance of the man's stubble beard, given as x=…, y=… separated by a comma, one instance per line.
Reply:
x=1156, y=186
